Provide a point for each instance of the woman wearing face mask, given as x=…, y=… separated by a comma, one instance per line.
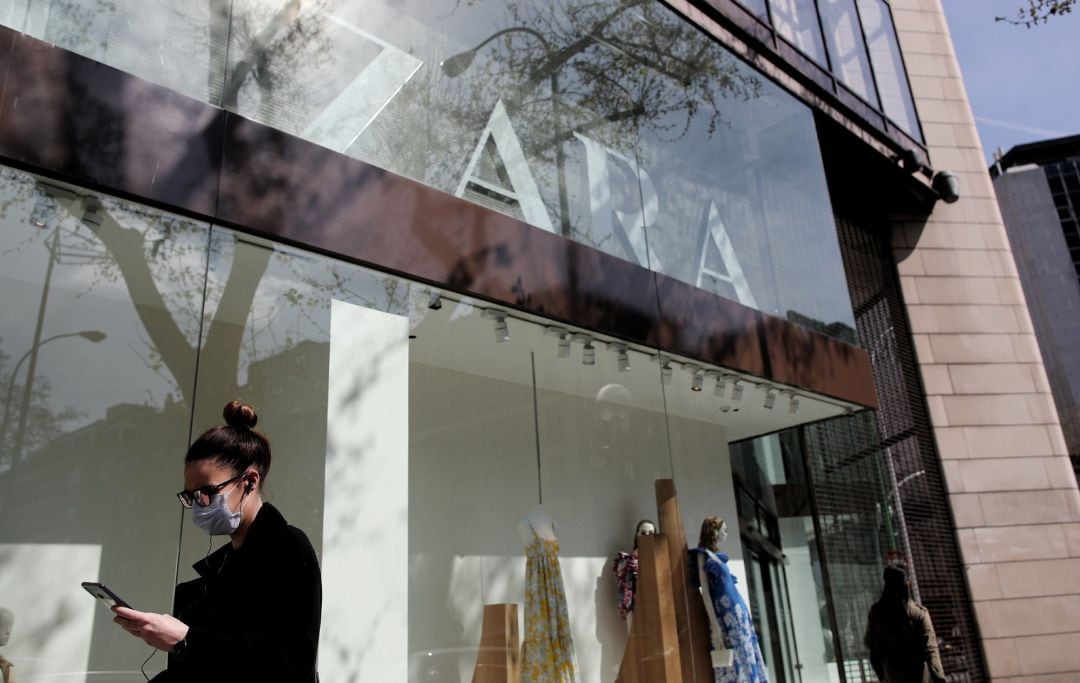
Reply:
x=254, y=611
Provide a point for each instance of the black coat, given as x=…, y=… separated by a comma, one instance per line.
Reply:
x=253, y=614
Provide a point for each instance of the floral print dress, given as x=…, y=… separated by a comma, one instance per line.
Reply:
x=747, y=666
x=547, y=652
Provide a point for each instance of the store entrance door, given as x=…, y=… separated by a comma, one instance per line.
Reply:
x=770, y=608
x=784, y=584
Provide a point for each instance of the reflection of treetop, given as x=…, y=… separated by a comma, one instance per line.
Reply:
x=633, y=61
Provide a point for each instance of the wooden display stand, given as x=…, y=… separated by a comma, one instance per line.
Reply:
x=499, y=659
x=669, y=635
x=652, y=651
x=692, y=622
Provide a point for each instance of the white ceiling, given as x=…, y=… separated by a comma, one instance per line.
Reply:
x=459, y=337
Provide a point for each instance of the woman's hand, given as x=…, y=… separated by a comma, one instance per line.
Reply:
x=158, y=630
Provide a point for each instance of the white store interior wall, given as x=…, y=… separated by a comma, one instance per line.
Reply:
x=479, y=459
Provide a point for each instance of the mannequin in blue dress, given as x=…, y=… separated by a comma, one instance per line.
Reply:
x=736, y=653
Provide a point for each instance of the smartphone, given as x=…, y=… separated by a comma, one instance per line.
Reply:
x=102, y=593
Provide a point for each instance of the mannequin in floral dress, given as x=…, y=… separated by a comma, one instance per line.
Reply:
x=625, y=568
x=727, y=610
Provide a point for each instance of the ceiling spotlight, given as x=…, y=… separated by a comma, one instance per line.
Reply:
x=622, y=356
x=434, y=301
x=588, y=354
x=793, y=404
x=770, y=398
x=502, y=330
x=698, y=380
x=736, y=390
x=721, y=382
x=564, y=339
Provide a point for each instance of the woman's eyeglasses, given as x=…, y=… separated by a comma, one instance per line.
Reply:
x=203, y=494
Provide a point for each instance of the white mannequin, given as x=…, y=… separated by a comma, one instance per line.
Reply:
x=721, y=656
x=541, y=523
x=7, y=622
x=644, y=528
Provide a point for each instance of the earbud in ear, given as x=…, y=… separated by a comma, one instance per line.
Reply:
x=250, y=485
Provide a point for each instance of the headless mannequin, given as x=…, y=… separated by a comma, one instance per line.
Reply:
x=541, y=523
x=721, y=656
x=7, y=622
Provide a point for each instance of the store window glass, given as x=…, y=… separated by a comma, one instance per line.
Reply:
x=174, y=43
x=99, y=331
x=889, y=66
x=797, y=20
x=742, y=204
x=847, y=48
x=615, y=123
x=433, y=447
x=603, y=445
x=783, y=558
x=446, y=457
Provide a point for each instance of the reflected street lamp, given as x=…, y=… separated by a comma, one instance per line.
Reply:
x=898, y=506
x=457, y=64
x=93, y=336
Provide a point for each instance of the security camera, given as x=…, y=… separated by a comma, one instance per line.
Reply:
x=947, y=185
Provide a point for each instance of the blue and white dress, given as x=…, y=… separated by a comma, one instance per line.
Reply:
x=747, y=666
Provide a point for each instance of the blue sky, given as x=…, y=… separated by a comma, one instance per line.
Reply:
x=1024, y=84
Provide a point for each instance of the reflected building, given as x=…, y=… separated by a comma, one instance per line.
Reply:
x=474, y=260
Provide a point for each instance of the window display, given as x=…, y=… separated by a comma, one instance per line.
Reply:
x=625, y=568
x=412, y=423
x=736, y=654
x=547, y=654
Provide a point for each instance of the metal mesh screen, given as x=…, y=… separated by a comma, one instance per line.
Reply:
x=915, y=505
x=844, y=469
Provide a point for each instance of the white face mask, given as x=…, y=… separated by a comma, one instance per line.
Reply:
x=215, y=519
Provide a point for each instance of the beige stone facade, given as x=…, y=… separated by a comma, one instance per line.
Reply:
x=1011, y=486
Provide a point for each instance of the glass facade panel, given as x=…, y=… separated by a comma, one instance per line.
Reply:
x=423, y=442
x=591, y=120
x=99, y=330
x=742, y=204
x=889, y=66
x=602, y=446
x=615, y=123
x=847, y=49
x=174, y=43
x=797, y=20
x=777, y=526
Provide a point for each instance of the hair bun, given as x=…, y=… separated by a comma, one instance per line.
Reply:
x=239, y=414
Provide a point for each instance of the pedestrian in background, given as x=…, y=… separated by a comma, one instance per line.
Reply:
x=900, y=636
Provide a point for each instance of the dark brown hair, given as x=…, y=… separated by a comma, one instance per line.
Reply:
x=235, y=445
